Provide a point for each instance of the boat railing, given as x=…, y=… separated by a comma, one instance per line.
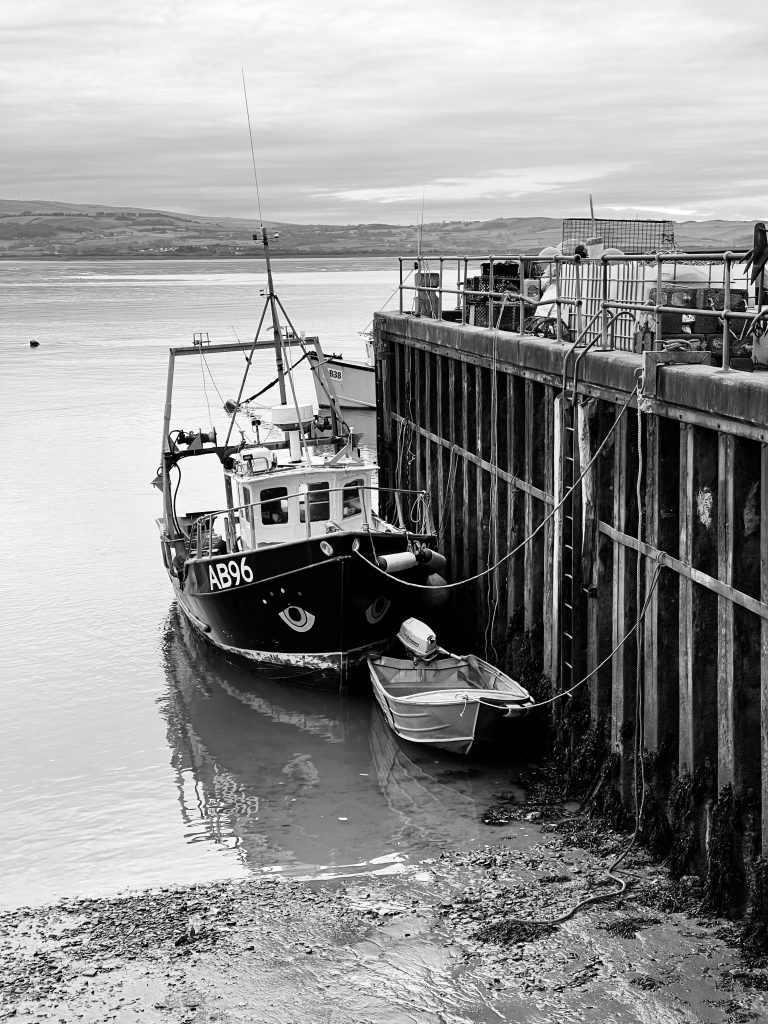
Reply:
x=627, y=302
x=204, y=541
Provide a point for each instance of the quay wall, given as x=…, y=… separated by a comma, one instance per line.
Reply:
x=478, y=419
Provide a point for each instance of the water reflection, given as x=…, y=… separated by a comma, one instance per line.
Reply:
x=419, y=789
x=295, y=779
x=260, y=764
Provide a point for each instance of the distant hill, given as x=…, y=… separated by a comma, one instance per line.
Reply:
x=44, y=229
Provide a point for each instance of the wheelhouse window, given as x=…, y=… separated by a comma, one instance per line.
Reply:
x=352, y=498
x=319, y=501
x=274, y=506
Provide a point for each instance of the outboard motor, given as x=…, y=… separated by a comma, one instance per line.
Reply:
x=418, y=639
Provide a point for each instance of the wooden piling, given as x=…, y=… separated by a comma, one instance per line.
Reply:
x=623, y=702
x=547, y=605
x=764, y=642
x=438, y=510
x=516, y=468
x=453, y=468
x=726, y=712
x=481, y=427
x=687, y=749
x=533, y=558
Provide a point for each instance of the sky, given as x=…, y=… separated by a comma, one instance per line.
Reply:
x=388, y=111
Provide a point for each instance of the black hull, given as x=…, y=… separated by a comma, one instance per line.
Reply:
x=313, y=608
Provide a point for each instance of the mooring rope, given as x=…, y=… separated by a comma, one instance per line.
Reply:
x=630, y=632
x=526, y=540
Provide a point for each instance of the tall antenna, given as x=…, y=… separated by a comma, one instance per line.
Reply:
x=253, y=154
x=592, y=213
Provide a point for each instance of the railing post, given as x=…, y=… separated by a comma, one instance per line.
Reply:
x=490, y=291
x=522, y=295
x=657, y=310
x=464, y=303
x=579, y=300
x=558, y=301
x=727, y=311
x=440, y=290
x=604, y=304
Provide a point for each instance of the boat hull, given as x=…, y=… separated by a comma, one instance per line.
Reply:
x=315, y=608
x=458, y=719
x=353, y=384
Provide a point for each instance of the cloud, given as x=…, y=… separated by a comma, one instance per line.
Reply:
x=359, y=106
x=501, y=186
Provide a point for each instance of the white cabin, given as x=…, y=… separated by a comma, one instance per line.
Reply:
x=278, y=503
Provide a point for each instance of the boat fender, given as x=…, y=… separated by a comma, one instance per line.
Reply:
x=432, y=558
x=436, y=580
x=401, y=561
x=435, y=599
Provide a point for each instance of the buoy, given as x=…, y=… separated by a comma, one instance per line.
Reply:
x=34, y=344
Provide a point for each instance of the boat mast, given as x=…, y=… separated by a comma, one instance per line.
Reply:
x=275, y=320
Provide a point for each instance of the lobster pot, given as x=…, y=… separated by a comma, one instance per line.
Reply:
x=477, y=314
x=705, y=331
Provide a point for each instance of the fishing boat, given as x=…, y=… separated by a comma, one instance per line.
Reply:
x=452, y=702
x=351, y=382
x=298, y=569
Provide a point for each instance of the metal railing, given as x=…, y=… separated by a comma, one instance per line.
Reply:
x=624, y=299
x=200, y=541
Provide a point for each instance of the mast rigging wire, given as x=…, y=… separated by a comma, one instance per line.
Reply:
x=253, y=152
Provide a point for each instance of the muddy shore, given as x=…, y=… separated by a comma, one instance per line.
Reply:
x=434, y=943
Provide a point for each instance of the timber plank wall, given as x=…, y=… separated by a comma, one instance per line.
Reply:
x=476, y=418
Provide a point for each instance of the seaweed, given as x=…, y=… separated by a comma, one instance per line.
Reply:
x=685, y=796
x=606, y=802
x=654, y=829
x=725, y=878
x=507, y=933
x=754, y=930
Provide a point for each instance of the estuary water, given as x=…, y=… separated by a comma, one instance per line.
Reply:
x=131, y=753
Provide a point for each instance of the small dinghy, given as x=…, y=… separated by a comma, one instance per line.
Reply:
x=445, y=700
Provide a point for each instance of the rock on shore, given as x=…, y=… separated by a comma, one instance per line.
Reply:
x=441, y=942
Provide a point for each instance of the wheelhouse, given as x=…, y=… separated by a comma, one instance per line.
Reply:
x=276, y=504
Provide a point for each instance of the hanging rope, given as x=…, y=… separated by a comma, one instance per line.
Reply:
x=447, y=494
x=492, y=589
x=639, y=768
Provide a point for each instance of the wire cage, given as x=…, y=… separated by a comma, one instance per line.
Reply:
x=631, y=236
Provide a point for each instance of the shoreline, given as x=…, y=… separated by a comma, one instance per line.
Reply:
x=192, y=257
x=435, y=943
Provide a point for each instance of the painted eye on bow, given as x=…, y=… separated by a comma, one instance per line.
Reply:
x=376, y=612
x=297, y=618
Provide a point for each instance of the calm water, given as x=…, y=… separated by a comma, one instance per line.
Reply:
x=131, y=753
